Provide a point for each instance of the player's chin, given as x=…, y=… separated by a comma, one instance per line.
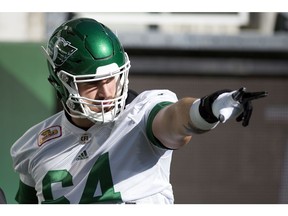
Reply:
x=99, y=110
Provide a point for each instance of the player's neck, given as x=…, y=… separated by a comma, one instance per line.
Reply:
x=85, y=124
x=82, y=123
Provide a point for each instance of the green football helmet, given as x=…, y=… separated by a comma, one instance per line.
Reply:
x=84, y=50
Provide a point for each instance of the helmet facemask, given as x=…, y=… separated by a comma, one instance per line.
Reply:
x=80, y=107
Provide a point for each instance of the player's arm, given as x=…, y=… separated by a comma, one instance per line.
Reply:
x=170, y=125
x=175, y=124
x=26, y=194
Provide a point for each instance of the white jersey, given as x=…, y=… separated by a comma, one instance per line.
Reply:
x=109, y=163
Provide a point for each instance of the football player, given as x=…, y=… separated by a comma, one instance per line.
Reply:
x=104, y=147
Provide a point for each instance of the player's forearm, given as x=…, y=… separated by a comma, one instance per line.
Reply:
x=173, y=126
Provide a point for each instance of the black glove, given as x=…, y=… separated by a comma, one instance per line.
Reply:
x=224, y=104
x=245, y=98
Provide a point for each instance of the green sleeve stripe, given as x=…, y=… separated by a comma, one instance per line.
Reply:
x=26, y=194
x=151, y=117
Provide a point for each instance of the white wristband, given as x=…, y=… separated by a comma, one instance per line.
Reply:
x=197, y=120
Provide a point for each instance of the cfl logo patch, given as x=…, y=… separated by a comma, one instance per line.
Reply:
x=85, y=138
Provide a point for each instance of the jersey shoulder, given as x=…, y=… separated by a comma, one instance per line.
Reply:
x=140, y=107
x=153, y=97
x=158, y=93
x=34, y=138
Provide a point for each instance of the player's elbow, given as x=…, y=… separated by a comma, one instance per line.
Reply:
x=176, y=142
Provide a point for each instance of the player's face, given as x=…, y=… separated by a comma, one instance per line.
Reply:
x=98, y=90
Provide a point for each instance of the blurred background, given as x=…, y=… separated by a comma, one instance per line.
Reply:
x=192, y=54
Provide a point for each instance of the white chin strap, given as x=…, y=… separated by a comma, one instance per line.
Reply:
x=101, y=117
x=96, y=117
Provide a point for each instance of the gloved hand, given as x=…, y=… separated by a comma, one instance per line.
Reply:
x=225, y=104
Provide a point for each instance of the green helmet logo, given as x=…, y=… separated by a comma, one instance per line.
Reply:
x=60, y=50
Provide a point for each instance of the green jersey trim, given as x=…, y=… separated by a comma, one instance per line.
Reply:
x=26, y=194
x=151, y=117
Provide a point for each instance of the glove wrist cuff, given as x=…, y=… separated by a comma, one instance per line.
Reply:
x=197, y=120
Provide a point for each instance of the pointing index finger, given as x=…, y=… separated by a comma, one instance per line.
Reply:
x=242, y=96
x=253, y=96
